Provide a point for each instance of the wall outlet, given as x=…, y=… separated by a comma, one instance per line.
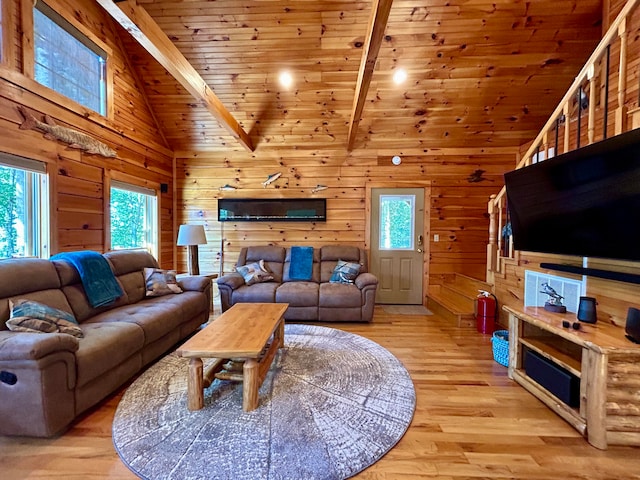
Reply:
x=436, y=237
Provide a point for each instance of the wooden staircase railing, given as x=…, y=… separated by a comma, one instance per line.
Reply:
x=557, y=136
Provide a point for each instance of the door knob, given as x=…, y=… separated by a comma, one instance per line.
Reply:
x=419, y=250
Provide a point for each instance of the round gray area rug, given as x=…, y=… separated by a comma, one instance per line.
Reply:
x=332, y=404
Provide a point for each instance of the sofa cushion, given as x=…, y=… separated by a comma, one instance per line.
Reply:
x=160, y=282
x=127, y=261
x=256, y=293
x=298, y=294
x=339, y=295
x=190, y=303
x=155, y=316
x=341, y=252
x=104, y=346
x=134, y=286
x=79, y=302
x=345, y=272
x=20, y=277
x=27, y=275
x=127, y=265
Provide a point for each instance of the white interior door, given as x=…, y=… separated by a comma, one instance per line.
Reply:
x=397, y=244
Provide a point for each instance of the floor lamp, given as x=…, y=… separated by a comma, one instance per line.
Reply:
x=191, y=236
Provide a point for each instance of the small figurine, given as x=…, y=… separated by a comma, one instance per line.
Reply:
x=554, y=304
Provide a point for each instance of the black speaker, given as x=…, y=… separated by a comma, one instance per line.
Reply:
x=164, y=187
x=557, y=380
x=587, y=310
x=632, y=328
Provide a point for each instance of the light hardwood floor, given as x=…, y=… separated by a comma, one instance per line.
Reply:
x=471, y=421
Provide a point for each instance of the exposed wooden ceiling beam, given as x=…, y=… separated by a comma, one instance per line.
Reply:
x=135, y=19
x=375, y=34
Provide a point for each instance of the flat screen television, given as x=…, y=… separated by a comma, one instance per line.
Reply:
x=585, y=202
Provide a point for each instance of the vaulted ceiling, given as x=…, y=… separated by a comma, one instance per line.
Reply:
x=481, y=73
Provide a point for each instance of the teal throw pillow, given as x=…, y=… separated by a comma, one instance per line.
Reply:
x=34, y=317
x=255, y=272
x=345, y=272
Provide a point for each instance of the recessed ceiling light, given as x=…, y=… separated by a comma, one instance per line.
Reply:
x=286, y=80
x=399, y=76
x=396, y=160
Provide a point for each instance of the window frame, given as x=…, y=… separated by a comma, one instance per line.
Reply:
x=28, y=60
x=126, y=182
x=38, y=238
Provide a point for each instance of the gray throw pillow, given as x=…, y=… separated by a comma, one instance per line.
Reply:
x=345, y=272
x=255, y=272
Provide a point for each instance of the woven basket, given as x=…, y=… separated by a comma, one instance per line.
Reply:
x=500, y=340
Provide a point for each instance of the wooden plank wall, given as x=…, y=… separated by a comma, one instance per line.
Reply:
x=614, y=298
x=77, y=179
x=458, y=207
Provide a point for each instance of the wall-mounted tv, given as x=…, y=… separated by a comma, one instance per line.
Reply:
x=585, y=202
x=270, y=210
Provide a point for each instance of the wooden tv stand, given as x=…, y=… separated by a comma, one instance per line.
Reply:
x=605, y=362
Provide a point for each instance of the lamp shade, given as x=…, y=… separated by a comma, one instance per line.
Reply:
x=191, y=235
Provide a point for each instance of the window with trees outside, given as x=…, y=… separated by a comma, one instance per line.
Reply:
x=67, y=61
x=397, y=214
x=24, y=208
x=134, y=217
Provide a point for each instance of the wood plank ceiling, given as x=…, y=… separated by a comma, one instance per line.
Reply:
x=481, y=73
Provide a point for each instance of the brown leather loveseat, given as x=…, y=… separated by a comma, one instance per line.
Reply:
x=315, y=299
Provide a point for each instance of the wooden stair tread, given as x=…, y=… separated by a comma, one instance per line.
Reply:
x=454, y=298
x=466, y=284
x=460, y=291
x=451, y=304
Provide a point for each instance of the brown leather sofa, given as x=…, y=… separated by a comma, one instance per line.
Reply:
x=48, y=379
x=317, y=299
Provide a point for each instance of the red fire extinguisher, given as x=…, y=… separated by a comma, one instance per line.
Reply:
x=486, y=311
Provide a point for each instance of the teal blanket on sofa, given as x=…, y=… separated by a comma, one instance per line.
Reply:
x=99, y=282
x=301, y=267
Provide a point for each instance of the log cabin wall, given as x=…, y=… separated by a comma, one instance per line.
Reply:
x=78, y=181
x=614, y=298
x=457, y=206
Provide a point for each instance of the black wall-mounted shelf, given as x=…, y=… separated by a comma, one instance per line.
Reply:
x=269, y=210
x=593, y=272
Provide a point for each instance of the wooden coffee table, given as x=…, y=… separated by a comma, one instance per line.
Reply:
x=242, y=333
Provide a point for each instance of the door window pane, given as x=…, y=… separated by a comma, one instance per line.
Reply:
x=396, y=222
